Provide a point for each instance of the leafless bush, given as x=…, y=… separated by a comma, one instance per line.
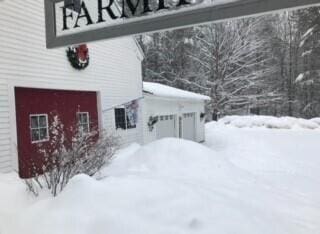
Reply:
x=86, y=153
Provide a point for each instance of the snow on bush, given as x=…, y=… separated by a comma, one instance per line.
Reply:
x=86, y=153
x=270, y=122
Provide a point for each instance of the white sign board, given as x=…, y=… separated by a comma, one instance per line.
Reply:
x=105, y=19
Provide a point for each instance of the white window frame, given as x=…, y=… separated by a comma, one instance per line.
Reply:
x=81, y=124
x=47, y=127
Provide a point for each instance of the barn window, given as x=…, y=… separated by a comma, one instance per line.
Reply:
x=122, y=119
x=83, y=122
x=39, y=128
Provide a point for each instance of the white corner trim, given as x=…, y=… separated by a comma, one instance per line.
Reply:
x=13, y=128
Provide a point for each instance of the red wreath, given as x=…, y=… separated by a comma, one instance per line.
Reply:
x=78, y=56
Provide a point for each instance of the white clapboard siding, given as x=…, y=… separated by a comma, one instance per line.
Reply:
x=114, y=70
x=4, y=153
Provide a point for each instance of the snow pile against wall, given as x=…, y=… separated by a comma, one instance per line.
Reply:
x=270, y=122
x=181, y=187
x=127, y=200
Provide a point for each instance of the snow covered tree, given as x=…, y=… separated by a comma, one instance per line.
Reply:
x=220, y=60
x=269, y=64
x=308, y=79
x=232, y=58
x=167, y=60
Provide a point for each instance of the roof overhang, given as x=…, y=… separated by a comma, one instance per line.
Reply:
x=149, y=95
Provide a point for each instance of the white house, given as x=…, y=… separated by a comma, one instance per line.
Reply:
x=172, y=112
x=96, y=85
x=37, y=83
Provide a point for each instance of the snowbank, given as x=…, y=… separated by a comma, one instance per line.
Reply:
x=239, y=182
x=270, y=122
x=163, y=187
x=316, y=120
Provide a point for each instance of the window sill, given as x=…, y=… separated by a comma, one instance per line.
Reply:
x=125, y=129
x=40, y=141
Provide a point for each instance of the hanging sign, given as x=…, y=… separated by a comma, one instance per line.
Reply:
x=132, y=112
x=79, y=21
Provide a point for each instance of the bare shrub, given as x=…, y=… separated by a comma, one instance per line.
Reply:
x=85, y=154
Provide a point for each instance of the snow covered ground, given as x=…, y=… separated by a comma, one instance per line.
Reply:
x=242, y=180
x=271, y=122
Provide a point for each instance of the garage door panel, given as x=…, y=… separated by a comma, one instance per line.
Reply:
x=166, y=126
x=188, y=126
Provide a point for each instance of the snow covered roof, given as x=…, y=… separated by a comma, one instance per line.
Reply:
x=161, y=90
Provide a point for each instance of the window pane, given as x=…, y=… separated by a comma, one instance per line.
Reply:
x=34, y=122
x=43, y=134
x=84, y=118
x=80, y=117
x=85, y=128
x=80, y=129
x=120, y=118
x=43, y=121
x=35, y=135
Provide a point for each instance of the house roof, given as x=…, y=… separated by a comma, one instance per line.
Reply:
x=161, y=90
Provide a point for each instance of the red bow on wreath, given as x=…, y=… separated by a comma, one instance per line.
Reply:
x=78, y=56
x=82, y=52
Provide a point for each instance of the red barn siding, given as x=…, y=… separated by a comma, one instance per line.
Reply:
x=63, y=103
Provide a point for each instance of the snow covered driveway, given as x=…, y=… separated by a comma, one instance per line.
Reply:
x=251, y=181
x=285, y=164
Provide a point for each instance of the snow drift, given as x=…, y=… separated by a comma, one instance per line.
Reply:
x=270, y=122
x=240, y=181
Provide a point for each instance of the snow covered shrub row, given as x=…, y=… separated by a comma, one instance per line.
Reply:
x=270, y=122
x=86, y=154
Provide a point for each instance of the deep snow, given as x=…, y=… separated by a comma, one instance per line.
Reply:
x=270, y=122
x=243, y=180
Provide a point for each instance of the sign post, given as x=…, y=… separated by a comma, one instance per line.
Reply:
x=105, y=19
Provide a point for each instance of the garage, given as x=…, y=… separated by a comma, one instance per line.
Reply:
x=166, y=126
x=172, y=112
x=188, y=126
x=36, y=112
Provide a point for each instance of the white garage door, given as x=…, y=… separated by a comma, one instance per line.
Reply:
x=166, y=126
x=189, y=126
